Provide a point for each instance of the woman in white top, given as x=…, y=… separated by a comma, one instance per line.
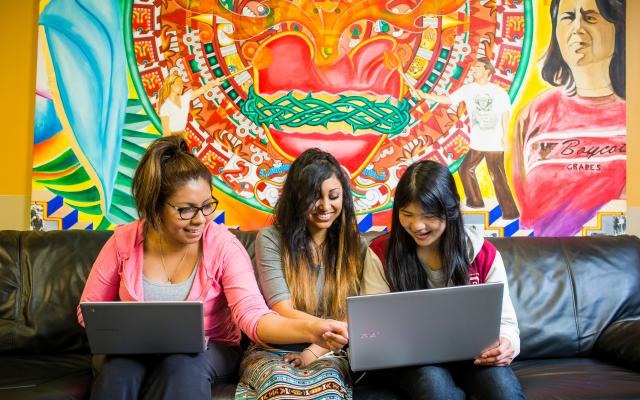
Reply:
x=429, y=247
x=174, y=106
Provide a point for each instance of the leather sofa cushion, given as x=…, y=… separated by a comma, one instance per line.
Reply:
x=43, y=277
x=575, y=378
x=567, y=290
x=60, y=376
x=620, y=344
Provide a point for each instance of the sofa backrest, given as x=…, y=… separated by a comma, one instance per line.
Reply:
x=42, y=275
x=567, y=290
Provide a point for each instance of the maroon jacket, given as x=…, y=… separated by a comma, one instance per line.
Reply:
x=478, y=270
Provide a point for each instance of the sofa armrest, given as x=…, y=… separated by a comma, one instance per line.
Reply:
x=619, y=344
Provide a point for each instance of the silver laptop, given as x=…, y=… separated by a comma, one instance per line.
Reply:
x=144, y=327
x=424, y=326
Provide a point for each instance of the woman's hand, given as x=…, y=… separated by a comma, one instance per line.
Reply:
x=335, y=342
x=330, y=334
x=300, y=360
x=500, y=355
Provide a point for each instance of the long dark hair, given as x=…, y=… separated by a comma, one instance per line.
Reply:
x=165, y=166
x=430, y=185
x=341, y=250
x=555, y=69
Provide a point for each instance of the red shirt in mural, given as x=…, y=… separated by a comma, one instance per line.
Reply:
x=570, y=160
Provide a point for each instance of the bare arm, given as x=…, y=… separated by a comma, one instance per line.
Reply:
x=202, y=89
x=166, y=131
x=443, y=99
x=285, y=309
x=276, y=329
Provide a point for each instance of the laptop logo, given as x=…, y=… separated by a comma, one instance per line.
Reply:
x=370, y=335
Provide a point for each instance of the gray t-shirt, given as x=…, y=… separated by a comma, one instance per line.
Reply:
x=436, y=277
x=269, y=267
x=154, y=291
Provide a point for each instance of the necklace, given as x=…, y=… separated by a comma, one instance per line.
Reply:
x=164, y=268
x=318, y=252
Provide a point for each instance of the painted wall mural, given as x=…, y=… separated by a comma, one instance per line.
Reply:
x=378, y=83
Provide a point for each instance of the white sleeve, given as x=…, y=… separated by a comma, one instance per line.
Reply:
x=508, y=321
x=164, y=112
x=459, y=95
x=185, y=100
x=505, y=100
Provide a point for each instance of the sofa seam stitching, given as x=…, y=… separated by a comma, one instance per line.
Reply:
x=574, y=297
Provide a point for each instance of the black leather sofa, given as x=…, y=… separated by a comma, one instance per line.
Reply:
x=577, y=299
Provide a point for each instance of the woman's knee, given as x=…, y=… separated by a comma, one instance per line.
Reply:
x=178, y=366
x=122, y=368
x=433, y=382
x=118, y=377
x=496, y=383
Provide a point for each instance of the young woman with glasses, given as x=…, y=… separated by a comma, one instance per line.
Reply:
x=175, y=253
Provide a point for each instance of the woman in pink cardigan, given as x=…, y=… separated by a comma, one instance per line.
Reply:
x=173, y=253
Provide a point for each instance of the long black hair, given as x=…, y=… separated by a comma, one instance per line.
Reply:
x=555, y=69
x=341, y=250
x=430, y=185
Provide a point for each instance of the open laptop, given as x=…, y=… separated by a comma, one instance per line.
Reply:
x=144, y=327
x=424, y=326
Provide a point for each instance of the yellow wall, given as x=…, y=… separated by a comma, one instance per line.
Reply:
x=18, y=39
x=633, y=119
x=17, y=72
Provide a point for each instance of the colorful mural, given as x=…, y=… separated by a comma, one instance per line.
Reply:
x=266, y=80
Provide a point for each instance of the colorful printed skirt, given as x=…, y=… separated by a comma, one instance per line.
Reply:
x=265, y=375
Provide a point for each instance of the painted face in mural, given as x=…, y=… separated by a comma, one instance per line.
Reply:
x=425, y=230
x=195, y=193
x=479, y=72
x=327, y=208
x=584, y=36
x=177, y=87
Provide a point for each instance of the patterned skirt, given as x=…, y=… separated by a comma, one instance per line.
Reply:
x=265, y=375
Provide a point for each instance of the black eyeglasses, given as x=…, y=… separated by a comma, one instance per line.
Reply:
x=187, y=213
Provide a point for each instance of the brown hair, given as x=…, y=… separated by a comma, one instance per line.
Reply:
x=488, y=65
x=341, y=253
x=165, y=166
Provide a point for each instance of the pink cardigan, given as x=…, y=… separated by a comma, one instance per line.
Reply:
x=225, y=281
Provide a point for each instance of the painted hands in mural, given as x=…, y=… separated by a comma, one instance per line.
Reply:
x=444, y=99
x=174, y=105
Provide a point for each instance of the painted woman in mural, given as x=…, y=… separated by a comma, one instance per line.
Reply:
x=174, y=105
x=570, y=155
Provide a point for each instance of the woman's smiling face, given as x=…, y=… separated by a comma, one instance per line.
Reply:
x=194, y=193
x=426, y=230
x=327, y=208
